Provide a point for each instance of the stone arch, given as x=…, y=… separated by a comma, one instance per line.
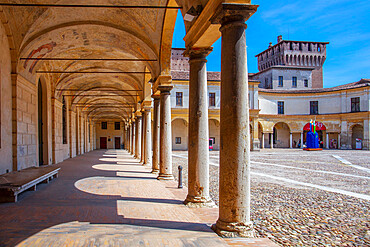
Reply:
x=179, y=133
x=357, y=132
x=214, y=132
x=281, y=133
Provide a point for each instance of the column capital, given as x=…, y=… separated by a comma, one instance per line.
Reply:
x=197, y=53
x=233, y=13
x=165, y=88
x=156, y=96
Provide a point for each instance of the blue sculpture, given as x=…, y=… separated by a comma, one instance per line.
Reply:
x=312, y=139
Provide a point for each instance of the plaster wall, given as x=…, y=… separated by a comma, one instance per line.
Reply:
x=6, y=161
x=110, y=133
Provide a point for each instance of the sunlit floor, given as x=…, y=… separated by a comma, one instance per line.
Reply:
x=106, y=198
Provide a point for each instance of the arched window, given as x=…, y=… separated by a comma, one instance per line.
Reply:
x=64, y=116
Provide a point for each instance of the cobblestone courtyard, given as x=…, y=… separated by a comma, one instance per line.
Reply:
x=304, y=198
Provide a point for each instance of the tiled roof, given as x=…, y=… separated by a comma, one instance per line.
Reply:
x=211, y=76
x=358, y=84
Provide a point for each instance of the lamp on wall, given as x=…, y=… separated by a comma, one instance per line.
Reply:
x=192, y=13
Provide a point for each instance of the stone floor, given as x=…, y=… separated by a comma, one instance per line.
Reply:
x=106, y=198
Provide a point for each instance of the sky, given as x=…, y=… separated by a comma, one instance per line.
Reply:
x=343, y=23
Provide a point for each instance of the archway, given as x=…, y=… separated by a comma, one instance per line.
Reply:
x=42, y=116
x=321, y=131
x=214, y=133
x=179, y=134
x=281, y=135
x=357, y=136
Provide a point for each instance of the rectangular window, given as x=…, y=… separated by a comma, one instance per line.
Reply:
x=291, y=46
x=178, y=140
x=280, y=107
x=281, y=81
x=314, y=107
x=355, y=104
x=64, y=116
x=117, y=125
x=309, y=47
x=305, y=83
x=294, y=81
x=300, y=46
x=104, y=125
x=212, y=99
x=178, y=98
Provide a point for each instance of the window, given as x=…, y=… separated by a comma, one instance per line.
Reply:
x=281, y=81
x=305, y=83
x=318, y=48
x=291, y=46
x=280, y=107
x=104, y=125
x=64, y=120
x=309, y=47
x=355, y=104
x=212, y=99
x=178, y=98
x=178, y=140
x=294, y=81
x=314, y=107
x=117, y=125
x=300, y=46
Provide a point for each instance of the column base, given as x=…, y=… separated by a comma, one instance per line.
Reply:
x=165, y=177
x=256, y=145
x=156, y=171
x=147, y=164
x=199, y=202
x=234, y=229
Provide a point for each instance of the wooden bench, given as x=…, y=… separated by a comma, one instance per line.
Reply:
x=14, y=183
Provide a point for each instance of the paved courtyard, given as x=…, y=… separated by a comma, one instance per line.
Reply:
x=106, y=198
x=302, y=198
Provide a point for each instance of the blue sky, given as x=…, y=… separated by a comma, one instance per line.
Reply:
x=343, y=23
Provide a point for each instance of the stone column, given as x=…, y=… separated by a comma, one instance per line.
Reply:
x=339, y=141
x=147, y=136
x=301, y=139
x=366, y=138
x=128, y=137
x=142, y=137
x=256, y=141
x=263, y=140
x=133, y=137
x=272, y=140
x=138, y=137
x=198, y=147
x=165, y=152
x=156, y=130
x=290, y=140
x=234, y=188
x=327, y=140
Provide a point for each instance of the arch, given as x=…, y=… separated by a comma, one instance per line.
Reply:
x=357, y=134
x=299, y=60
x=214, y=132
x=179, y=134
x=281, y=133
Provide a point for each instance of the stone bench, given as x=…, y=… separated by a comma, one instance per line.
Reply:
x=14, y=183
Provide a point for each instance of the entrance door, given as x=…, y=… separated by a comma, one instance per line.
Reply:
x=40, y=125
x=103, y=143
x=117, y=142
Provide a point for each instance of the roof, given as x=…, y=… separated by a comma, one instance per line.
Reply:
x=211, y=76
x=315, y=42
x=358, y=84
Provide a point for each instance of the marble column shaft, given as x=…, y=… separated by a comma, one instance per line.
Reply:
x=142, y=147
x=198, y=147
x=147, y=137
x=156, y=131
x=234, y=183
x=138, y=137
x=165, y=152
x=133, y=137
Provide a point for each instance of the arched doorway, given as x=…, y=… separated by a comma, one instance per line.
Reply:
x=281, y=135
x=42, y=116
x=179, y=134
x=214, y=133
x=357, y=136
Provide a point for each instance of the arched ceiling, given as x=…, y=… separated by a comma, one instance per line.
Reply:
x=114, y=41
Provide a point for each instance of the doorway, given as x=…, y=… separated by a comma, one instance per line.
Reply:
x=42, y=124
x=117, y=142
x=103, y=143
